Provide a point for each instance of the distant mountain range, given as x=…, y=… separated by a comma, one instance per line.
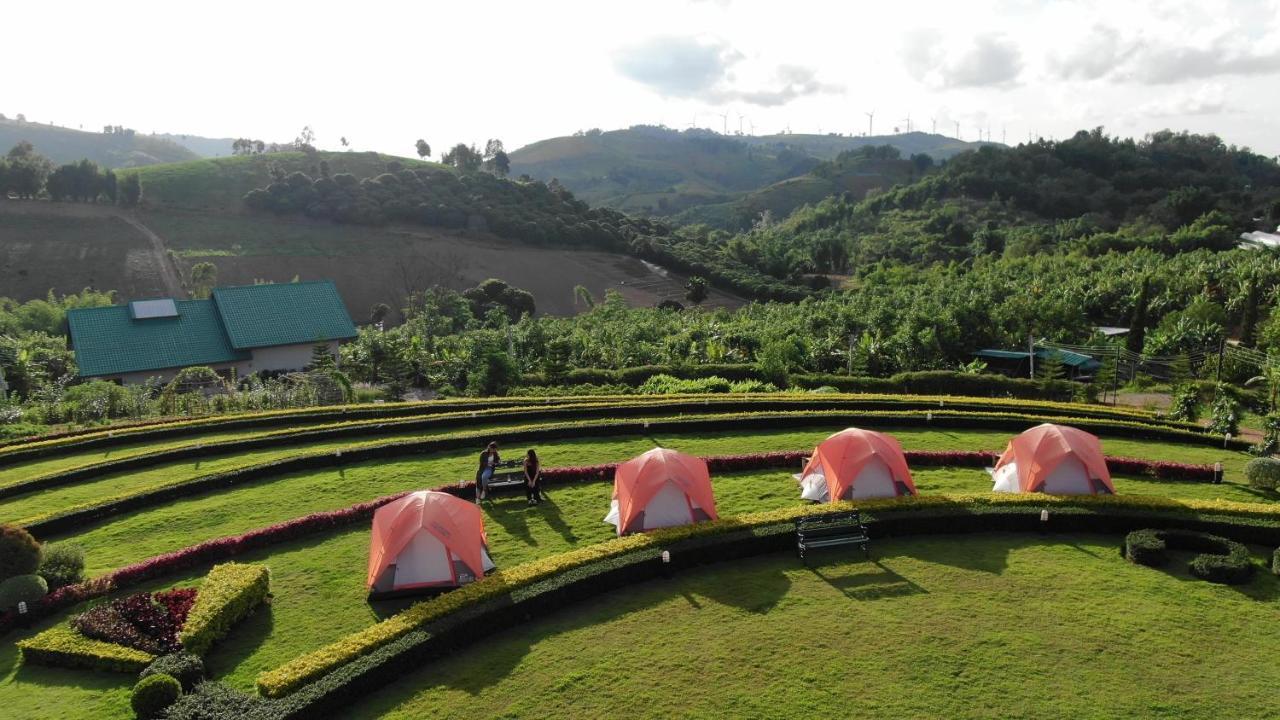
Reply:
x=703, y=176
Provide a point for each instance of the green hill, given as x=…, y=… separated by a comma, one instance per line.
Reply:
x=111, y=150
x=663, y=172
x=221, y=183
x=202, y=146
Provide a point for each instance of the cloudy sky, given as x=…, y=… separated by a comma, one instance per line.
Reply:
x=384, y=74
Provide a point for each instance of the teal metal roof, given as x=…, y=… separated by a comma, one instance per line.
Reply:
x=108, y=341
x=1073, y=359
x=285, y=314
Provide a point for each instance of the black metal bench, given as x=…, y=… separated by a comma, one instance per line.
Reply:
x=508, y=473
x=817, y=531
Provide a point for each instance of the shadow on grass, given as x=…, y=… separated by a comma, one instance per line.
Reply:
x=242, y=642
x=758, y=593
x=511, y=513
x=866, y=581
x=551, y=513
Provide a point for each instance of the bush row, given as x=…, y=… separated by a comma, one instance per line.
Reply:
x=60, y=646
x=596, y=407
x=929, y=382
x=228, y=594
x=1217, y=559
x=364, y=660
x=67, y=518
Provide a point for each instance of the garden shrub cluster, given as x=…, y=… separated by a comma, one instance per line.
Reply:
x=61, y=646
x=186, y=668
x=27, y=589
x=142, y=621
x=1263, y=473
x=229, y=593
x=61, y=564
x=153, y=694
x=1218, y=559
x=19, y=552
x=211, y=700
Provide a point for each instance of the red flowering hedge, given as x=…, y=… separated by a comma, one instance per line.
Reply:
x=225, y=547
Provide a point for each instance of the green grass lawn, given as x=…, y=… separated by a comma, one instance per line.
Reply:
x=983, y=626
x=326, y=571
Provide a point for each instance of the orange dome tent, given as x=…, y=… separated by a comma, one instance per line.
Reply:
x=661, y=488
x=1053, y=459
x=424, y=540
x=856, y=463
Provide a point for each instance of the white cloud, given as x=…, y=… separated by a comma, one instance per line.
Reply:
x=988, y=59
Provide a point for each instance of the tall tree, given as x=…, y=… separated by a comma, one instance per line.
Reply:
x=204, y=275
x=464, y=158
x=1138, y=320
x=501, y=164
x=1249, y=322
x=424, y=150
x=130, y=190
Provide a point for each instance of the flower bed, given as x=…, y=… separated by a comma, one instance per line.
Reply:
x=142, y=621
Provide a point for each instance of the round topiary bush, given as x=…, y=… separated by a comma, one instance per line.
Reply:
x=19, y=552
x=188, y=669
x=61, y=564
x=1219, y=560
x=21, y=588
x=153, y=694
x=1263, y=473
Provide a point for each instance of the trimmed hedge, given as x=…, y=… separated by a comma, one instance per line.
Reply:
x=593, y=407
x=228, y=594
x=153, y=694
x=188, y=669
x=62, y=520
x=1219, y=560
x=216, y=701
x=60, y=646
x=19, y=552
x=888, y=516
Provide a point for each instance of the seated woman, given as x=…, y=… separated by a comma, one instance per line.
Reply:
x=532, y=478
x=488, y=463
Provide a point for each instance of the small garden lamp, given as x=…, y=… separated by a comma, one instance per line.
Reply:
x=1217, y=473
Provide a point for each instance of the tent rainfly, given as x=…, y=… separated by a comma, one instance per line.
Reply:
x=1056, y=460
x=856, y=463
x=661, y=488
x=425, y=541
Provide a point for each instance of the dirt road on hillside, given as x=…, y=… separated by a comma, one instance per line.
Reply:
x=172, y=283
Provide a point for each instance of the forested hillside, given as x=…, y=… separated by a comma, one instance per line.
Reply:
x=663, y=172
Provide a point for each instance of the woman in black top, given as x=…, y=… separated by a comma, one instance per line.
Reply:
x=532, y=478
x=488, y=464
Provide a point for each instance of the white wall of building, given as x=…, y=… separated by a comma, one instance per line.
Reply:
x=272, y=359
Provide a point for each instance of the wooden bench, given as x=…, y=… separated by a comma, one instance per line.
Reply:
x=508, y=473
x=844, y=528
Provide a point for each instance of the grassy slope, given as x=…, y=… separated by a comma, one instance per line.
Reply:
x=220, y=183
x=64, y=145
x=979, y=627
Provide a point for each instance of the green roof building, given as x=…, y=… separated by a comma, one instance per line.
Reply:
x=248, y=329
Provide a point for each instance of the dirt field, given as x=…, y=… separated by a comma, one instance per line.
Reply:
x=68, y=249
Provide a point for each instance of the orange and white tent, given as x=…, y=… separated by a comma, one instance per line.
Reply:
x=661, y=488
x=856, y=463
x=1056, y=460
x=425, y=540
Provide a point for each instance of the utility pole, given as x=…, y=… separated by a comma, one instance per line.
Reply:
x=850, y=354
x=1222, y=351
x=1115, y=378
x=1031, y=354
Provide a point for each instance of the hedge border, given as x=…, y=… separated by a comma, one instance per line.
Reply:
x=229, y=546
x=945, y=419
x=60, y=646
x=1218, y=559
x=228, y=593
x=506, y=603
x=604, y=406
x=59, y=521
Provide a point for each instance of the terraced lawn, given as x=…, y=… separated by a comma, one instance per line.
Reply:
x=983, y=626
x=318, y=581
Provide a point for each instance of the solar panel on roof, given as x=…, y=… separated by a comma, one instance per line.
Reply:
x=148, y=309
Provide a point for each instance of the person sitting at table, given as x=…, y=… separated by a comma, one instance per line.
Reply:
x=488, y=464
x=532, y=478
